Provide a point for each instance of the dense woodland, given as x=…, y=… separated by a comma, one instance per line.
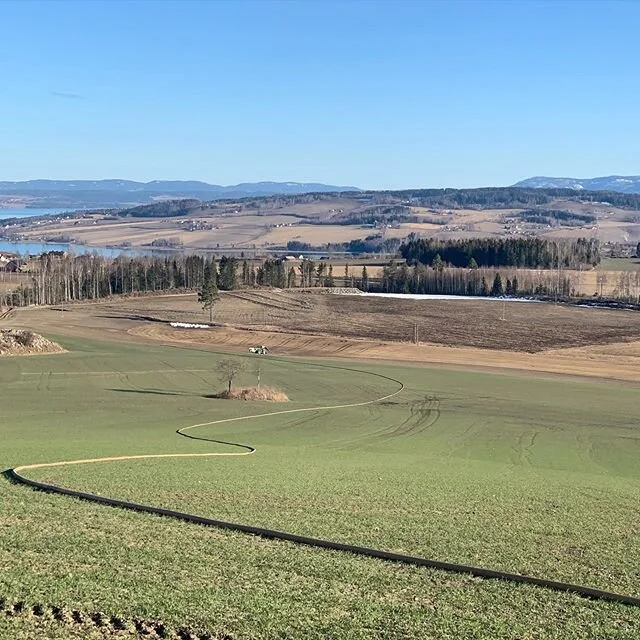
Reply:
x=374, y=216
x=555, y=218
x=164, y=209
x=372, y=244
x=532, y=253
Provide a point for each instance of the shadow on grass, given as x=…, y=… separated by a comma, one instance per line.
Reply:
x=133, y=316
x=8, y=474
x=160, y=392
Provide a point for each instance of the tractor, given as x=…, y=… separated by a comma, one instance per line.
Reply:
x=260, y=350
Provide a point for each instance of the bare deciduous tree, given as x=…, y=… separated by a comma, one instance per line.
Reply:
x=229, y=370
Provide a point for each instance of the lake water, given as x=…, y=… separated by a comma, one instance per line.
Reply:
x=36, y=248
x=28, y=213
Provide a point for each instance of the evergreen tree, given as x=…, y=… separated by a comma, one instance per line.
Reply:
x=329, y=281
x=208, y=294
x=365, y=279
x=496, y=289
x=507, y=287
x=227, y=279
x=484, y=289
x=472, y=263
x=514, y=285
x=291, y=278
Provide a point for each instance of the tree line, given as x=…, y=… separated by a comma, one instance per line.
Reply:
x=531, y=253
x=58, y=279
x=441, y=280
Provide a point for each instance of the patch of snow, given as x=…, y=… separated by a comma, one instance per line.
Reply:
x=189, y=325
x=420, y=296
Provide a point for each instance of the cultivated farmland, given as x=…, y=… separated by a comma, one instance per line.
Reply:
x=520, y=474
x=513, y=472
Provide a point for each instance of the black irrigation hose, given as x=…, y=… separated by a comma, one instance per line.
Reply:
x=274, y=534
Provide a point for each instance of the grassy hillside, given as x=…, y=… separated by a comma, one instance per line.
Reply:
x=535, y=476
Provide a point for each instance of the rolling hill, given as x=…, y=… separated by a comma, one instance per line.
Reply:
x=123, y=193
x=623, y=184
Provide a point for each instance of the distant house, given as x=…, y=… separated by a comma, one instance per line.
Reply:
x=14, y=266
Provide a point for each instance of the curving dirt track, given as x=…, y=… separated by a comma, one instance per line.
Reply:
x=423, y=418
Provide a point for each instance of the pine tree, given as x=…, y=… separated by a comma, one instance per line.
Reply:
x=514, y=285
x=208, y=294
x=507, y=287
x=472, y=263
x=496, y=289
x=291, y=278
x=329, y=281
x=484, y=289
x=365, y=279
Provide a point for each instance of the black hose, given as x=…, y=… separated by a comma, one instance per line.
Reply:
x=273, y=534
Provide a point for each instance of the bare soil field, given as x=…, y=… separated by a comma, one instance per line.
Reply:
x=528, y=327
x=533, y=337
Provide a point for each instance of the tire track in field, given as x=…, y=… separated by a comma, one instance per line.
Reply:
x=16, y=474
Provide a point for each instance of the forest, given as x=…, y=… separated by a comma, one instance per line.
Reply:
x=532, y=253
x=554, y=218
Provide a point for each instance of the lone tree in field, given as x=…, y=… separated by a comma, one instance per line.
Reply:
x=208, y=294
x=229, y=370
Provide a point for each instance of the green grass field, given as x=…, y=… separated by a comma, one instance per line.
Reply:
x=529, y=475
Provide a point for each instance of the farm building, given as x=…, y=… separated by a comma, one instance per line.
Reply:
x=13, y=266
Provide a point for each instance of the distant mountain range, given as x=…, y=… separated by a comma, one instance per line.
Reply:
x=623, y=184
x=118, y=193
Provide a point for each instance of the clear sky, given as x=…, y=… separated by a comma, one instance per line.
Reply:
x=372, y=94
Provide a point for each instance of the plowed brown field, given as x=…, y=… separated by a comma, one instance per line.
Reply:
x=470, y=334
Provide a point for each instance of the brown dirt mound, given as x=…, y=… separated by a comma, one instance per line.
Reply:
x=254, y=393
x=19, y=342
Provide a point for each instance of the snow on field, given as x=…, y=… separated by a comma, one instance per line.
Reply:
x=418, y=296
x=189, y=325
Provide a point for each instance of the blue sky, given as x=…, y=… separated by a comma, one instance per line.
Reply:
x=373, y=94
